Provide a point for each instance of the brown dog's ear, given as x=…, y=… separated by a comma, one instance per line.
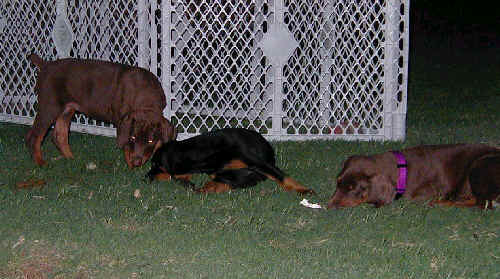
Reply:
x=168, y=131
x=123, y=131
x=382, y=191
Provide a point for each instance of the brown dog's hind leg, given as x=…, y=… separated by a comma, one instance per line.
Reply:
x=472, y=202
x=34, y=140
x=35, y=136
x=61, y=131
x=214, y=187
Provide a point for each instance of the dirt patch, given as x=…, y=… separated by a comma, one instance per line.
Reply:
x=39, y=261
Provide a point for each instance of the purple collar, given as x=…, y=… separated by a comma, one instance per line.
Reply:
x=403, y=172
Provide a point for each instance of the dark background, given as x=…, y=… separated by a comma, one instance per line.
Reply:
x=455, y=23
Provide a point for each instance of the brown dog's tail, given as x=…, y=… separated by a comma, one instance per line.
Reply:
x=37, y=60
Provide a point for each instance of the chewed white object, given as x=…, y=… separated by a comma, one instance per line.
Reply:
x=306, y=203
x=91, y=166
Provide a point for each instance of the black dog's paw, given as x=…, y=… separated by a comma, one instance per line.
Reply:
x=186, y=184
x=306, y=192
x=150, y=176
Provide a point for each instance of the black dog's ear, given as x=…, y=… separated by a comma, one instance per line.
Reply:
x=123, y=131
x=168, y=132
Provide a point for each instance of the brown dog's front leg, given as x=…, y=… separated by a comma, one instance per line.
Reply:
x=126, y=152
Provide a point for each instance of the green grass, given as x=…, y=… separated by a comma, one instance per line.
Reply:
x=88, y=224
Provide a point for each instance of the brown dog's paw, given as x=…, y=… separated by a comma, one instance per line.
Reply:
x=39, y=161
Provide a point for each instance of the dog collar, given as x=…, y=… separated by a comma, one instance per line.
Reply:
x=403, y=172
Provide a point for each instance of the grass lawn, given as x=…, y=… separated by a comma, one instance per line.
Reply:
x=86, y=223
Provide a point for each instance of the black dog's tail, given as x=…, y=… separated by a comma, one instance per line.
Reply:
x=284, y=181
x=37, y=60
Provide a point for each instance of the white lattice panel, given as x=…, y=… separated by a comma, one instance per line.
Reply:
x=19, y=33
x=219, y=76
x=290, y=69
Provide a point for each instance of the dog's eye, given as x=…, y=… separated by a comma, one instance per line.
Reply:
x=150, y=141
x=132, y=139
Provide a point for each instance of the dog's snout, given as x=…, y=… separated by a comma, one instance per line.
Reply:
x=332, y=205
x=137, y=161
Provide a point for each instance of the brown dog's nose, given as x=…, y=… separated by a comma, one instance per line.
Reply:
x=137, y=162
x=334, y=203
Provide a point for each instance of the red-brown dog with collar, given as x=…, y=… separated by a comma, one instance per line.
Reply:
x=463, y=175
x=129, y=97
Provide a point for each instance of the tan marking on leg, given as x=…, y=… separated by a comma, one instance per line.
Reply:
x=289, y=184
x=126, y=152
x=472, y=202
x=157, y=145
x=163, y=176
x=185, y=177
x=235, y=164
x=214, y=187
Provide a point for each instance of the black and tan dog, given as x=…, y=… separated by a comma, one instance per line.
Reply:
x=233, y=157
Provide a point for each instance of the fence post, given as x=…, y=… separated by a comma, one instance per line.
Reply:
x=166, y=47
x=277, y=45
x=141, y=34
x=277, y=114
x=62, y=33
x=400, y=116
x=152, y=37
x=390, y=69
x=326, y=77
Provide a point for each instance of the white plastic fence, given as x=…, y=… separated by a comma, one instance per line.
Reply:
x=290, y=69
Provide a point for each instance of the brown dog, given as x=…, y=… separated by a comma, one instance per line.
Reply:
x=463, y=175
x=129, y=97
